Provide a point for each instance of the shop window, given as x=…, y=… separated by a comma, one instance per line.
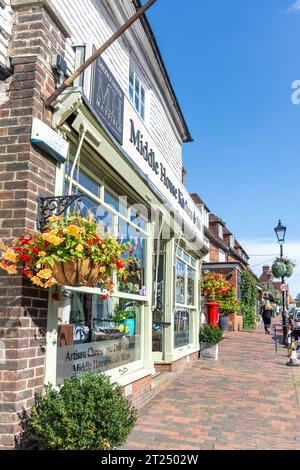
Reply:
x=96, y=335
x=180, y=282
x=182, y=330
x=134, y=283
x=137, y=93
x=191, y=277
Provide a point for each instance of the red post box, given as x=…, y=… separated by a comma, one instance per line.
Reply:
x=213, y=313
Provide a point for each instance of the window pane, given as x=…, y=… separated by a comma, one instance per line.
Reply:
x=191, y=286
x=95, y=335
x=143, y=112
x=134, y=283
x=181, y=328
x=138, y=215
x=180, y=282
x=137, y=94
x=131, y=84
x=88, y=183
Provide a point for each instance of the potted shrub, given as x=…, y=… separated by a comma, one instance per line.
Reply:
x=85, y=413
x=214, y=287
x=228, y=308
x=209, y=337
x=71, y=250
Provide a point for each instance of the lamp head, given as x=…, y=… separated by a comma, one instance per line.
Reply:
x=280, y=231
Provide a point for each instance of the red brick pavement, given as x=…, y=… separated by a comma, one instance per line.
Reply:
x=246, y=400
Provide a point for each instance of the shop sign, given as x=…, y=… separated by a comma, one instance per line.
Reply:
x=140, y=146
x=46, y=138
x=107, y=99
x=93, y=357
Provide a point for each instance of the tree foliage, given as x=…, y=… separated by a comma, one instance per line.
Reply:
x=249, y=299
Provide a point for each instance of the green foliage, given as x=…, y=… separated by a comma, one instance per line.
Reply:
x=229, y=304
x=84, y=413
x=283, y=267
x=249, y=300
x=249, y=316
x=121, y=315
x=210, y=334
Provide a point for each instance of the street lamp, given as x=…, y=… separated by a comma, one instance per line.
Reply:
x=280, y=231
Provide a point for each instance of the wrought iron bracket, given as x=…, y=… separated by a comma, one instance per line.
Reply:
x=48, y=206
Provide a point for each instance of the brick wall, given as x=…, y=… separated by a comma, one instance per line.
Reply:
x=25, y=173
x=177, y=366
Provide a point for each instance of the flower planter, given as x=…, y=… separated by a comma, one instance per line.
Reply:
x=224, y=323
x=212, y=313
x=209, y=351
x=81, y=272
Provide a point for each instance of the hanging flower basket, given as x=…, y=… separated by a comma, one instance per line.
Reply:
x=71, y=251
x=80, y=272
x=283, y=267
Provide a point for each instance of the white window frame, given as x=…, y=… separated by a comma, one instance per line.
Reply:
x=141, y=89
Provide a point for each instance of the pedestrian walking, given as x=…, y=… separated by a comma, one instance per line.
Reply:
x=266, y=312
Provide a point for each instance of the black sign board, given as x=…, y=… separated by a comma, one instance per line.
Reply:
x=108, y=99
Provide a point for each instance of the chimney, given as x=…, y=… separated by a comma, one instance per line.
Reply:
x=267, y=270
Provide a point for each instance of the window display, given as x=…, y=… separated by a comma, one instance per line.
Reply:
x=97, y=334
x=181, y=328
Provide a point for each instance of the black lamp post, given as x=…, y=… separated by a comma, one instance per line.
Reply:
x=280, y=231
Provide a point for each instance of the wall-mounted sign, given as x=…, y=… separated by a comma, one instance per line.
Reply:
x=93, y=357
x=139, y=144
x=48, y=140
x=108, y=99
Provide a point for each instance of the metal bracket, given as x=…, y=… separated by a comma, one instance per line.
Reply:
x=47, y=206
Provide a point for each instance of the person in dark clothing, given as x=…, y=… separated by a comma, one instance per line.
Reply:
x=266, y=312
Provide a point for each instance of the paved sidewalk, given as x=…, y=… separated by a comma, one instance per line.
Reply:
x=246, y=400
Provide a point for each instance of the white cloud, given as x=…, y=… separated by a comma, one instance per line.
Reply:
x=295, y=5
x=264, y=251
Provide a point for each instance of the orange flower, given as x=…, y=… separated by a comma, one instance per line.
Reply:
x=12, y=269
x=42, y=253
x=37, y=281
x=3, y=265
x=51, y=282
x=73, y=230
x=45, y=273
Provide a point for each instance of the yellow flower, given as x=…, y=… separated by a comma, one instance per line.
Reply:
x=3, y=247
x=54, y=218
x=52, y=238
x=37, y=281
x=102, y=269
x=103, y=246
x=73, y=230
x=10, y=255
x=121, y=328
x=45, y=273
x=42, y=253
x=106, y=445
x=79, y=248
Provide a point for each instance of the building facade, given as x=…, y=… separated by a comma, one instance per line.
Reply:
x=226, y=256
x=123, y=130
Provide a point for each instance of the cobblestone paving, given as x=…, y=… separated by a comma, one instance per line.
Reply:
x=246, y=400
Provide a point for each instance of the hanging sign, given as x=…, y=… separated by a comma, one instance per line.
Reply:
x=48, y=140
x=108, y=99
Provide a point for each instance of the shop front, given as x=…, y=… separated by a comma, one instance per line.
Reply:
x=151, y=321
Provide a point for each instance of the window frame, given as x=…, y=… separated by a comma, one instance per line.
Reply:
x=141, y=95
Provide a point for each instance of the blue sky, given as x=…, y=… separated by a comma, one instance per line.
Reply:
x=232, y=64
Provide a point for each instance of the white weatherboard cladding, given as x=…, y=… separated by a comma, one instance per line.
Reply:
x=5, y=31
x=90, y=24
x=130, y=146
